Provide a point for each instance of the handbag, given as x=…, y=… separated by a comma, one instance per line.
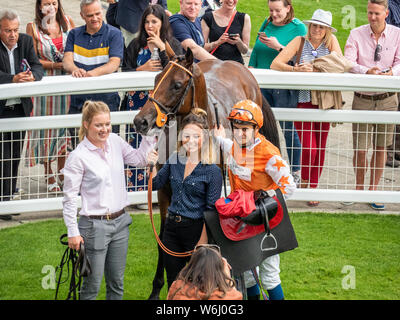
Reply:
x=287, y=98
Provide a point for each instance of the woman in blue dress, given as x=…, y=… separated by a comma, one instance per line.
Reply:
x=154, y=32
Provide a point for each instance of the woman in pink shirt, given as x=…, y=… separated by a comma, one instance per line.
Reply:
x=95, y=169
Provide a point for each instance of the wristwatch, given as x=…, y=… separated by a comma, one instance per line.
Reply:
x=280, y=49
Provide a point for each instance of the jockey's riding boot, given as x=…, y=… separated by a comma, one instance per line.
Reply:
x=276, y=293
x=253, y=293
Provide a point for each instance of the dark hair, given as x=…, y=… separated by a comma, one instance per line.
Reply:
x=165, y=32
x=290, y=15
x=60, y=17
x=204, y=274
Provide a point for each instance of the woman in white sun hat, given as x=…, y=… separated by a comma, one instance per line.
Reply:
x=319, y=42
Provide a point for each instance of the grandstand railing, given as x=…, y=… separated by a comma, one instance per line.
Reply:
x=333, y=190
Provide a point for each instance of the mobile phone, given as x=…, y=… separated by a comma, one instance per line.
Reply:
x=25, y=67
x=233, y=35
x=262, y=34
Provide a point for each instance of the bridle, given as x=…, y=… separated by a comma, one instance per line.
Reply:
x=163, y=114
x=80, y=267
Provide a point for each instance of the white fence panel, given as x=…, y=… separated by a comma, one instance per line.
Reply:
x=266, y=79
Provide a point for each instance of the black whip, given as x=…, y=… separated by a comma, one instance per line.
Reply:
x=220, y=148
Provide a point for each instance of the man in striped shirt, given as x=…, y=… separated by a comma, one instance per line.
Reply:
x=93, y=49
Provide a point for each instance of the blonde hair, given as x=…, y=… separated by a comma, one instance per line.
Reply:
x=198, y=117
x=327, y=40
x=89, y=110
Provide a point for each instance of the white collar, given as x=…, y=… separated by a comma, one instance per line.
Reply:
x=12, y=49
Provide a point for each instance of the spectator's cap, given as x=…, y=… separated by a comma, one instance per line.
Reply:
x=321, y=17
x=247, y=111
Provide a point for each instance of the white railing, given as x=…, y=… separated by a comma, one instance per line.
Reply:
x=266, y=79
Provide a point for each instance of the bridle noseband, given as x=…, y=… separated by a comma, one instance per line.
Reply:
x=163, y=114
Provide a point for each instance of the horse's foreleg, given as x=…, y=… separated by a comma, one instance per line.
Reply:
x=158, y=281
x=164, y=197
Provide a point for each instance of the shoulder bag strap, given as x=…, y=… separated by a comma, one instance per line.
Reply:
x=298, y=56
x=226, y=30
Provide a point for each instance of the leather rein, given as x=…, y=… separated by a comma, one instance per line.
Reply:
x=162, y=118
x=80, y=267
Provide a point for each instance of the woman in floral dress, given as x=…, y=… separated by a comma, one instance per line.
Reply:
x=49, y=32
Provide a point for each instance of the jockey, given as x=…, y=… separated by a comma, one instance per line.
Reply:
x=254, y=164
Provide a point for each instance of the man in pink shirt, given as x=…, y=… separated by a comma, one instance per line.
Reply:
x=374, y=49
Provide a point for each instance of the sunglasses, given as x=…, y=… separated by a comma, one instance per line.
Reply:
x=209, y=246
x=378, y=50
x=314, y=53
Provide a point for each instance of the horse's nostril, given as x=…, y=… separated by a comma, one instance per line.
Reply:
x=140, y=125
x=144, y=124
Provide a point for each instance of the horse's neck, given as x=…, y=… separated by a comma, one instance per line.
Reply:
x=200, y=89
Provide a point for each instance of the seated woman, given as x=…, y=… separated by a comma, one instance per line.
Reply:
x=226, y=43
x=196, y=185
x=206, y=277
x=319, y=42
x=154, y=32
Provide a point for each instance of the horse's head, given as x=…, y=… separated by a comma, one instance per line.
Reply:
x=172, y=87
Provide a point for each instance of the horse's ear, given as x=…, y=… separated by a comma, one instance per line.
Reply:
x=189, y=57
x=169, y=50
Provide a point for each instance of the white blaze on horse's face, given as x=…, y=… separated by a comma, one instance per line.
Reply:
x=190, y=8
x=192, y=139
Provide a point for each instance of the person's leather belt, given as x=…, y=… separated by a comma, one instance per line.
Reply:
x=178, y=218
x=108, y=216
x=376, y=96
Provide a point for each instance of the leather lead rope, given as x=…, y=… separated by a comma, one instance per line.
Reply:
x=150, y=205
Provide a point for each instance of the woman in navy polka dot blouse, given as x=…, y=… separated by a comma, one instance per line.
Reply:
x=196, y=184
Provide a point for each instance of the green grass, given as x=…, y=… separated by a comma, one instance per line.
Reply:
x=327, y=243
x=258, y=11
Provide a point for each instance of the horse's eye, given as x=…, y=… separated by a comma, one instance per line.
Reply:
x=177, y=85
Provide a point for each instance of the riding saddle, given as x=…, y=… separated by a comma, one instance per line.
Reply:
x=248, y=239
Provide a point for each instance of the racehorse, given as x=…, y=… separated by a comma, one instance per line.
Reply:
x=183, y=85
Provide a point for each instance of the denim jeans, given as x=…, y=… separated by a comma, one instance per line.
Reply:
x=293, y=145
